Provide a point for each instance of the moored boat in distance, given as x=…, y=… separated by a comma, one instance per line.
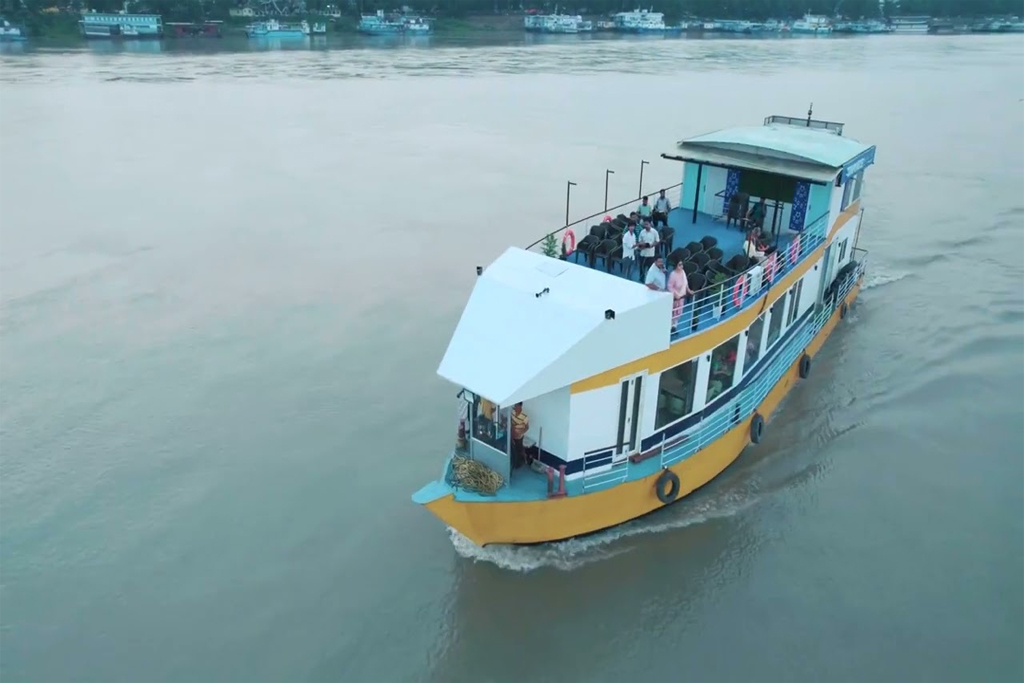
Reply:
x=862, y=27
x=380, y=24
x=10, y=33
x=621, y=398
x=910, y=24
x=272, y=28
x=557, y=23
x=642, y=21
x=120, y=25
x=812, y=24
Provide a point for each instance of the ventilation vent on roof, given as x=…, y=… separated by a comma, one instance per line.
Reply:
x=814, y=124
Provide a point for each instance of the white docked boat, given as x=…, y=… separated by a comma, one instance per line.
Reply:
x=640, y=21
x=10, y=33
x=812, y=24
x=557, y=23
x=910, y=24
x=587, y=399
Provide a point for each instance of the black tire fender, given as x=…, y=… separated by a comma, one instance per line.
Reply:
x=805, y=366
x=756, y=428
x=842, y=311
x=667, y=487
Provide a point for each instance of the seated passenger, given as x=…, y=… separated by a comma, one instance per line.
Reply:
x=754, y=248
x=656, y=278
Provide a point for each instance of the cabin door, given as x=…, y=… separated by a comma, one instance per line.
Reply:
x=631, y=397
x=826, y=272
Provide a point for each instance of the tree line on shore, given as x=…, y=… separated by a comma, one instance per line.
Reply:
x=39, y=12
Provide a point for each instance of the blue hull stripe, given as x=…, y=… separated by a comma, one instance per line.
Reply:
x=603, y=456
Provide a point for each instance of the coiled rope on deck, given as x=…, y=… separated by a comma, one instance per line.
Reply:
x=475, y=476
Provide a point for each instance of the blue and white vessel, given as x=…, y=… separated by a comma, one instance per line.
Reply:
x=272, y=28
x=557, y=23
x=813, y=24
x=10, y=33
x=380, y=24
x=642, y=21
x=121, y=25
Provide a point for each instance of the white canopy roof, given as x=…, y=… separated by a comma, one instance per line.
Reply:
x=512, y=345
x=785, y=149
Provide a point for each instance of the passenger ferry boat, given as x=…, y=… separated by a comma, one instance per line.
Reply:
x=641, y=21
x=557, y=23
x=812, y=24
x=629, y=405
x=10, y=33
x=910, y=24
x=272, y=28
x=121, y=25
x=380, y=24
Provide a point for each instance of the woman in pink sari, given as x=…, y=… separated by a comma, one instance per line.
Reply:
x=678, y=285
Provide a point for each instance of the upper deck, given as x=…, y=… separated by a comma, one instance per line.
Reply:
x=559, y=320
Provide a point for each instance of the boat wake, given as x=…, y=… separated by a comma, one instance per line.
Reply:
x=574, y=553
x=881, y=279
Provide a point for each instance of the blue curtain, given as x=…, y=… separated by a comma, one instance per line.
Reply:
x=799, y=212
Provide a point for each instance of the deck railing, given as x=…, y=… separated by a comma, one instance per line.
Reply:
x=747, y=402
x=741, y=407
x=599, y=216
x=717, y=301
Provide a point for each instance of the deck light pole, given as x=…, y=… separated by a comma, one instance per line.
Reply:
x=568, y=189
x=642, y=164
x=607, y=173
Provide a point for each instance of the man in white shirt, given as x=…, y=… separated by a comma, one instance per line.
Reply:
x=629, y=250
x=661, y=209
x=753, y=248
x=656, y=278
x=647, y=243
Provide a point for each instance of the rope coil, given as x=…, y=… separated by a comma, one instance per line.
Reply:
x=475, y=476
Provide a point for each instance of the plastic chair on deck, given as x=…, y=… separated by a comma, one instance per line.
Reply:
x=709, y=242
x=714, y=253
x=694, y=247
x=738, y=263
x=690, y=268
x=667, y=235
x=700, y=259
x=677, y=256
x=604, y=251
x=587, y=245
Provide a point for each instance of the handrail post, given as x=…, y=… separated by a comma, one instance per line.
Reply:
x=608, y=172
x=642, y=164
x=568, y=189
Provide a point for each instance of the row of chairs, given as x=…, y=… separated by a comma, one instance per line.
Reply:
x=702, y=262
x=604, y=237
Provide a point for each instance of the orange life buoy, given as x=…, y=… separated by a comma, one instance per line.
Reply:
x=770, y=266
x=794, y=250
x=739, y=290
x=570, y=237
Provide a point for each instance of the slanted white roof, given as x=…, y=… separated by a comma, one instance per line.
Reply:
x=511, y=345
x=777, y=148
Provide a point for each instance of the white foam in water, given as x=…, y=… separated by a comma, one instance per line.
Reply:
x=882, y=279
x=574, y=553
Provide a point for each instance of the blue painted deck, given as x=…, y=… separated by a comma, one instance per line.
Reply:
x=709, y=307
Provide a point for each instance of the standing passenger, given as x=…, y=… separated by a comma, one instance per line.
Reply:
x=661, y=209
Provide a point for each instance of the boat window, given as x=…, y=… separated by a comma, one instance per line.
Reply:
x=489, y=424
x=675, y=393
x=753, y=344
x=794, y=308
x=775, y=320
x=723, y=367
x=851, y=191
x=842, y=250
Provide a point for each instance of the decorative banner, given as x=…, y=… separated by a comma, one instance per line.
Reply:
x=799, y=212
x=732, y=186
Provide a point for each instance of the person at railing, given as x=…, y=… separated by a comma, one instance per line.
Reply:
x=661, y=209
x=644, y=210
x=754, y=248
x=520, y=425
x=680, y=288
x=648, y=245
x=655, y=278
x=629, y=250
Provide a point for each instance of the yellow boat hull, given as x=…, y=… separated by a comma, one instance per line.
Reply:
x=538, y=521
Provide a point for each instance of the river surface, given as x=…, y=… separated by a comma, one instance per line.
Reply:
x=227, y=279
